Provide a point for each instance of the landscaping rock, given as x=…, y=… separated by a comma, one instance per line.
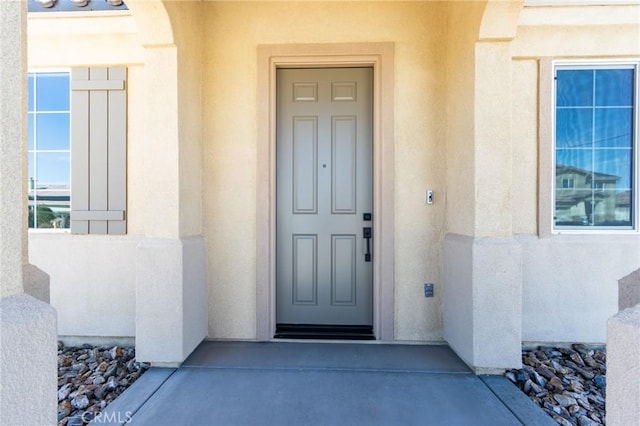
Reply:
x=574, y=380
x=91, y=377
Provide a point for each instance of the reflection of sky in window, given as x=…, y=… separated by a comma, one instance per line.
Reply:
x=594, y=121
x=574, y=128
x=30, y=165
x=52, y=131
x=30, y=131
x=53, y=168
x=30, y=81
x=52, y=92
x=614, y=127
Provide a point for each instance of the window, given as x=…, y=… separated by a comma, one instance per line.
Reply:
x=567, y=183
x=49, y=150
x=77, y=150
x=595, y=146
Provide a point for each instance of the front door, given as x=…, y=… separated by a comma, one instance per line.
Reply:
x=324, y=273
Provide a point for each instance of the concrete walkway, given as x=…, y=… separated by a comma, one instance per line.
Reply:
x=303, y=383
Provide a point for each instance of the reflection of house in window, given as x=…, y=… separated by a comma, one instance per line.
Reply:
x=589, y=198
x=52, y=206
x=623, y=206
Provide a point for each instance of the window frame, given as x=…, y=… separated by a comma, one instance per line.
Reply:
x=547, y=74
x=55, y=70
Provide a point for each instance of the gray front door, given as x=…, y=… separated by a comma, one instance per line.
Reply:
x=324, y=273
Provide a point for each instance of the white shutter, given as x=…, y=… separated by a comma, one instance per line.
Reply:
x=98, y=150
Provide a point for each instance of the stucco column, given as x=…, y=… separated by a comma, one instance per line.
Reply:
x=497, y=256
x=171, y=292
x=28, y=358
x=623, y=370
x=492, y=140
x=482, y=262
x=12, y=238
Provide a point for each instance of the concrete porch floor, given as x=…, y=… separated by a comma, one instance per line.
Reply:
x=312, y=383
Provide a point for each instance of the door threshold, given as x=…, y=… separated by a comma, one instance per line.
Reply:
x=324, y=332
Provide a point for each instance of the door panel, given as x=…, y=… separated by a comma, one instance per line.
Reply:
x=305, y=163
x=343, y=270
x=324, y=185
x=305, y=266
x=343, y=156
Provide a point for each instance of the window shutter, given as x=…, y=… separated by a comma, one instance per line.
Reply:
x=98, y=150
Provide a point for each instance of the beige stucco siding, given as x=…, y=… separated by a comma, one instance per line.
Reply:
x=524, y=107
x=460, y=169
x=570, y=285
x=186, y=18
x=70, y=39
x=417, y=29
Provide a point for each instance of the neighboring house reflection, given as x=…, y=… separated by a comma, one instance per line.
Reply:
x=589, y=198
x=51, y=207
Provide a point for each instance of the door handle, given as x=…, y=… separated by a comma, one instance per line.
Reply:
x=366, y=233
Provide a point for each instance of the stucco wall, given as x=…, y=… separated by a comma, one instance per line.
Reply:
x=67, y=39
x=570, y=285
x=186, y=18
x=460, y=58
x=234, y=30
x=588, y=32
x=92, y=282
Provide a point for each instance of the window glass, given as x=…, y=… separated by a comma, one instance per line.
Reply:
x=594, y=150
x=614, y=127
x=53, y=169
x=30, y=82
x=52, y=131
x=574, y=88
x=574, y=128
x=49, y=150
x=31, y=164
x=30, y=131
x=52, y=91
x=613, y=87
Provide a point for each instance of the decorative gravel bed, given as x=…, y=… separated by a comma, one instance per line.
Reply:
x=569, y=384
x=90, y=377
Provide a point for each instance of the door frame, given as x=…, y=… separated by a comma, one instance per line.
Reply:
x=379, y=56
